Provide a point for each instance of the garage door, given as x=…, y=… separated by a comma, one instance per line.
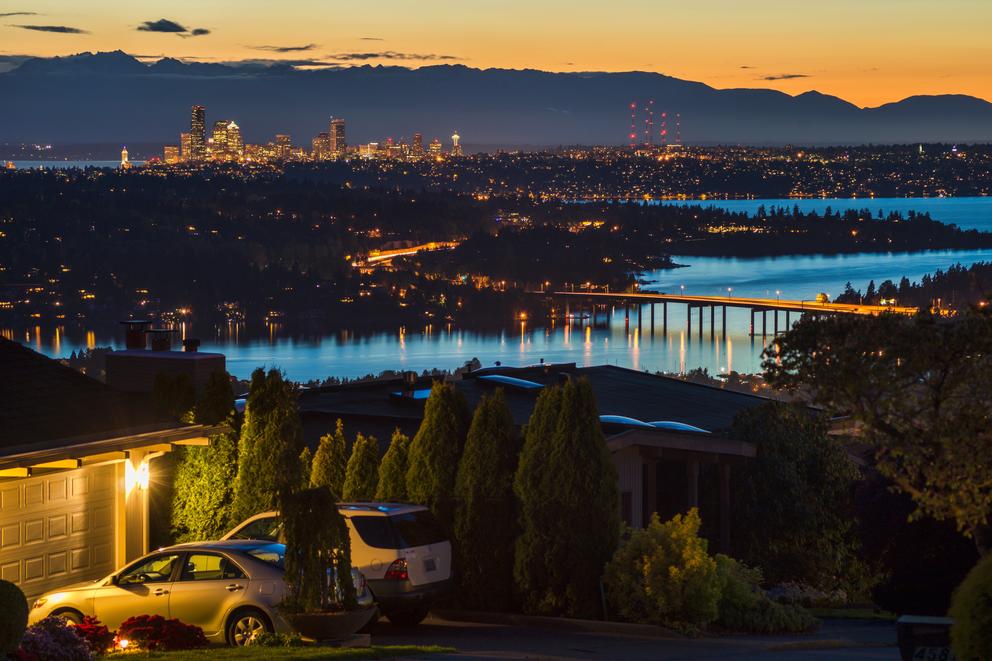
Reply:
x=57, y=529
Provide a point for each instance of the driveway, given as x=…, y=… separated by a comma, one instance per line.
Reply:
x=837, y=639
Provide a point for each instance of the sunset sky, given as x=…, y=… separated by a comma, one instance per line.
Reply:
x=866, y=51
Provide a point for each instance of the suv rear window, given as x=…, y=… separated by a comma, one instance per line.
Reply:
x=400, y=531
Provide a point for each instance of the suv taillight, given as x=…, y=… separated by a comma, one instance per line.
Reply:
x=398, y=571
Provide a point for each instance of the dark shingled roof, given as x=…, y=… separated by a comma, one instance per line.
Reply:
x=42, y=400
x=619, y=391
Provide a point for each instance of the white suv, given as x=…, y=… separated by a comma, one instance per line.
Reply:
x=402, y=550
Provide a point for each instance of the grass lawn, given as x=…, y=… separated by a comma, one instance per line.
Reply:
x=292, y=653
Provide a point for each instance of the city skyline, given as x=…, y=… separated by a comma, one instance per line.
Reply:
x=868, y=55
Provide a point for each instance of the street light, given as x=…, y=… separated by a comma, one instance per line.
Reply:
x=778, y=292
x=730, y=292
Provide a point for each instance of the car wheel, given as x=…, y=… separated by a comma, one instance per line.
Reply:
x=408, y=618
x=70, y=616
x=245, y=624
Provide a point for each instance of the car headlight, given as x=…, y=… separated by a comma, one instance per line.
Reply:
x=39, y=603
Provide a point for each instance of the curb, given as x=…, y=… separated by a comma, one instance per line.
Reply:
x=559, y=623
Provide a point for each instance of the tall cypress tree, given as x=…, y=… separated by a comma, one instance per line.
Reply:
x=204, y=478
x=362, y=473
x=392, y=470
x=570, y=516
x=270, y=445
x=485, y=508
x=436, y=449
x=330, y=461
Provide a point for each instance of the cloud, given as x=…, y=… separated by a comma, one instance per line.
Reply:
x=388, y=55
x=286, y=49
x=60, y=29
x=746, y=66
x=164, y=25
x=785, y=76
x=19, y=13
x=371, y=39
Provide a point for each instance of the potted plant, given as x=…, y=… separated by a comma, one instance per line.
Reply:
x=320, y=600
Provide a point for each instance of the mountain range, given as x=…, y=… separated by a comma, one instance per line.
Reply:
x=115, y=97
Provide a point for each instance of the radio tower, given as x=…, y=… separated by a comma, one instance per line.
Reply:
x=664, y=129
x=678, y=129
x=649, y=125
x=633, y=124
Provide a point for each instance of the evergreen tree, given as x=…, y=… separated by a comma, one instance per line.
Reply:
x=217, y=401
x=436, y=449
x=306, y=466
x=270, y=445
x=330, y=462
x=362, y=473
x=568, y=490
x=485, y=514
x=392, y=470
x=204, y=478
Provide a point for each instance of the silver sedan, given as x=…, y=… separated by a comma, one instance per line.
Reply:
x=229, y=589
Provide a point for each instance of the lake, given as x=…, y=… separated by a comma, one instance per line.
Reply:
x=615, y=339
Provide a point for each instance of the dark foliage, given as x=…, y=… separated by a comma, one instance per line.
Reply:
x=156, y=633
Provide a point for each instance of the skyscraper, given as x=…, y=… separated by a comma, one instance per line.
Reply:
x=418, y=145
x=198, y=134
x=184, y=146
x=321, y=147
x=170, y=154
x=218, y=141
x=436, y=148
x=235, y=143
x=284, y=146
x=338, y=145
x=125, y=162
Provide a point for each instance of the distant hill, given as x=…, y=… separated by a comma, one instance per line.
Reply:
x=106, y=97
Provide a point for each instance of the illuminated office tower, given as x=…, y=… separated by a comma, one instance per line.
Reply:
x=184, y=146
x=170, y=154
x=235, y=143
x=339, y=147
x=125, y=163
x=321, y=147
x=456, y=148
x=418, y=145
x=198, y=134
x=436, y=147
x=284, y=146
x=218, y=141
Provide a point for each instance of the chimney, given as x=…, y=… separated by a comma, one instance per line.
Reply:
x=191, y=344
x=161, y=338
x=134, y=333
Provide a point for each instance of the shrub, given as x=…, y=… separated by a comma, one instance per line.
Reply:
x=485, y=515
x=436, y=449
x=330, y=461
x=317, y=546
x=392, y=469
x=362, y=473
x=154, y=632
x=663, y=574
x=53, y=639
x=14, y=607
x=98, y=636
x=266, y=639
x=971, y=608
x=566, y=484
x=744, y=607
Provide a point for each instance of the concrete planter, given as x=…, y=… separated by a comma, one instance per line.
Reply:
x=330, y=626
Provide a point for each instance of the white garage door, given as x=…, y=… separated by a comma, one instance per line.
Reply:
x=57, y=529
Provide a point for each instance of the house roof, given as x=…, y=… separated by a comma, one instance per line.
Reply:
x=619, y=391
x=42, y=401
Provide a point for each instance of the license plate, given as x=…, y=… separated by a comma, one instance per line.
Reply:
x=933, y=654
x=430, y=565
